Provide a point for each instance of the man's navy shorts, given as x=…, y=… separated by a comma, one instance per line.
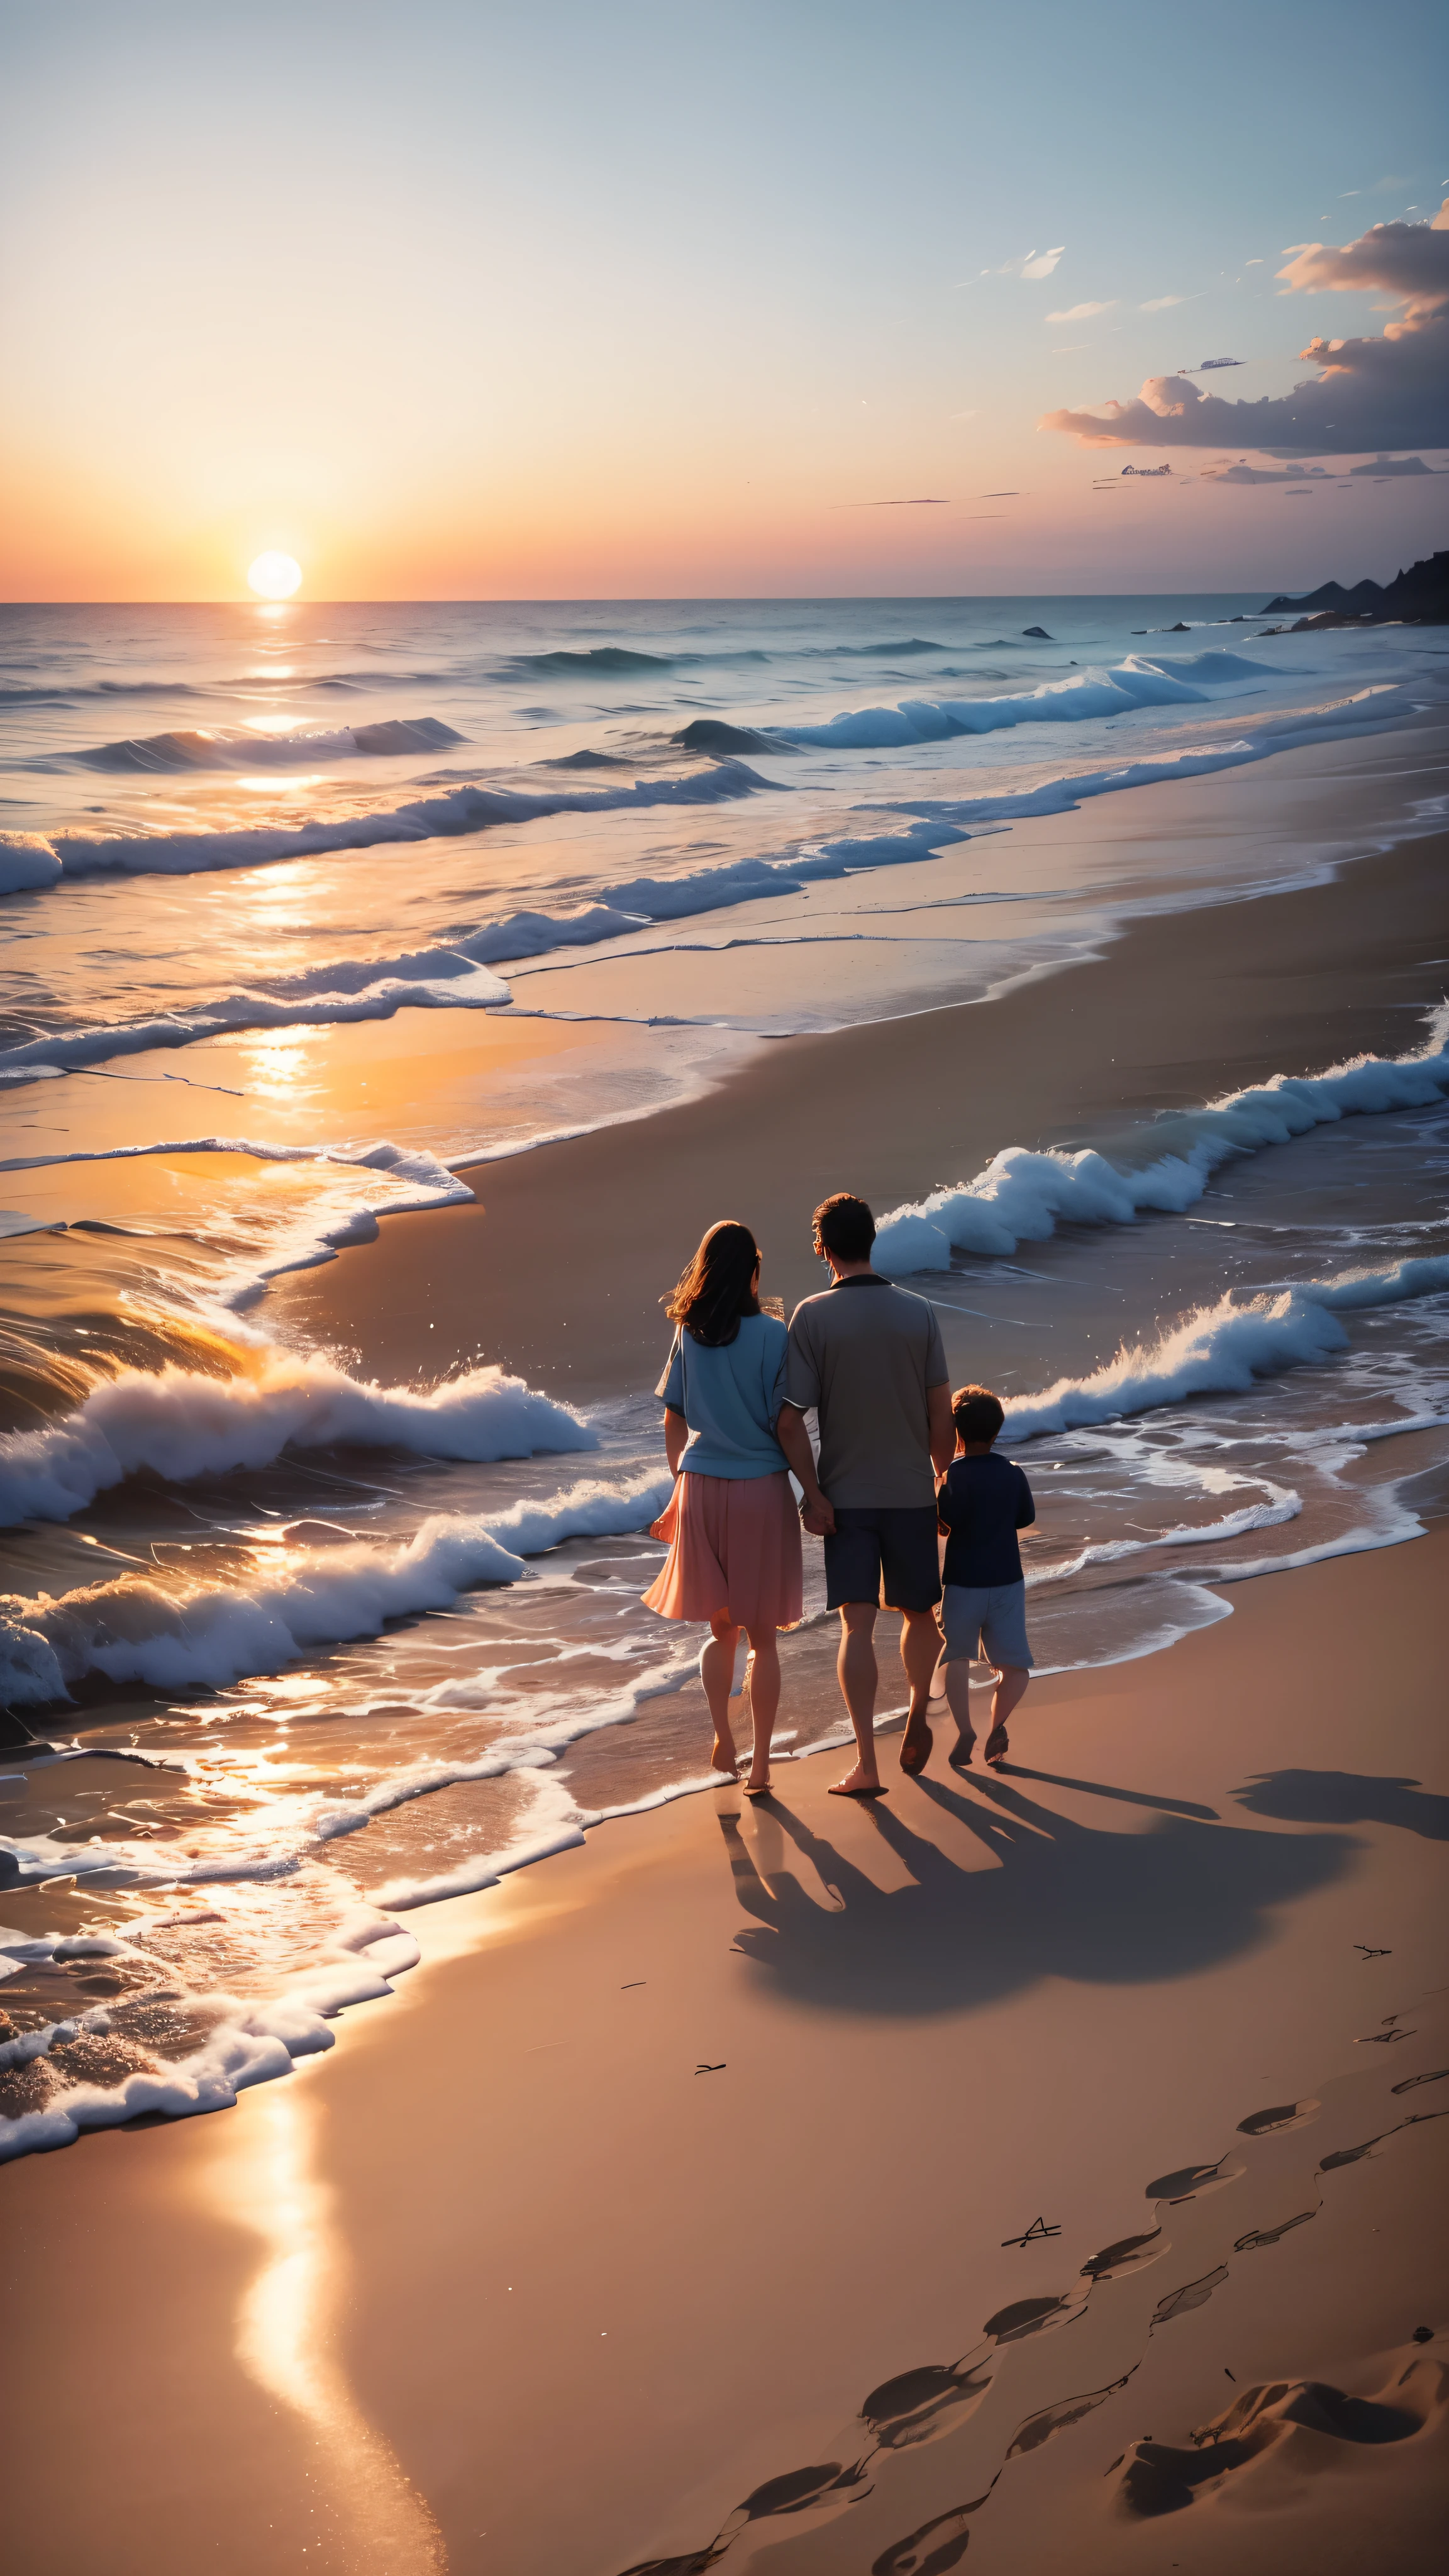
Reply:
x=888, y=1555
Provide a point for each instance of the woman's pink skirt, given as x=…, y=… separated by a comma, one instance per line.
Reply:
x=734, y=1551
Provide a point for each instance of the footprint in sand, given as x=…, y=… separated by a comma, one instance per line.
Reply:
x=1273, y=2437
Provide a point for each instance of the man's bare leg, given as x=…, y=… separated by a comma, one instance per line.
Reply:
x=717, y=1672
x=920, y=1653
x=859, y=1676
x=958, y=1697
x=1010, y=1690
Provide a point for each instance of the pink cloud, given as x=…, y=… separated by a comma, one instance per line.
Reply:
x=1374, y=393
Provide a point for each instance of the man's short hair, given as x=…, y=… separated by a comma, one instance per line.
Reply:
x=977, y=1413
x=845, y=1226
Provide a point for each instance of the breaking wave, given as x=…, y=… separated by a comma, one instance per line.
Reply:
x=1022, y=1196
x=210, y=1636
x=229, y=748
x=180, y=1423
x=31, y=859
x=1124, y=689
x=1221, y=1349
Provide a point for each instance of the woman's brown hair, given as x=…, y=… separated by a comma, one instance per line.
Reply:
x=718, y=1286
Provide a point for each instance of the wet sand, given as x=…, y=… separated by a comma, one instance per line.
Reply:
x=506, y=2282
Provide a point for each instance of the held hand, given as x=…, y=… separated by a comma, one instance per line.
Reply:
x=817, y=1516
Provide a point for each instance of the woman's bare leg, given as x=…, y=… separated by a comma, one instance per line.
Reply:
x=958, y=1700
x=1010, y=1689
x=717, y=1672
x=764, y=1672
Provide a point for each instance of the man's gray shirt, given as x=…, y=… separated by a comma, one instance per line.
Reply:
x=864, y=1354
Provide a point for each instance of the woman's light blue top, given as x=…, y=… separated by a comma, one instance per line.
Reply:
x=730, y=1398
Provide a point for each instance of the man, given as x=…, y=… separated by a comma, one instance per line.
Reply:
x=868, y=1357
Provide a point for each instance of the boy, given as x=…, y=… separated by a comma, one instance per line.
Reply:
x=982, y=1502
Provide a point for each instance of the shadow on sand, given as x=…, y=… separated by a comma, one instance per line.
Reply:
x=1347, y=1798
x=1064, y=1900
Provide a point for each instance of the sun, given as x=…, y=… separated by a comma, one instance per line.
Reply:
x=275, y=576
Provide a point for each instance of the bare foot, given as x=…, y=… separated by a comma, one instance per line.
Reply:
x=997, y=1747
x=961, y=1751
x=757, y=1788
x=916, y=1745
x=858, y=1783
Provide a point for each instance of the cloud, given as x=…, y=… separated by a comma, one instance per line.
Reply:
x=926, y=501
x=1371, y=394
x=1160, y=303
x=1243, y=472
x=1408, y=261
x=1079, y=312
x=1271, y=474
x=1205, y=366
x=1037, y=263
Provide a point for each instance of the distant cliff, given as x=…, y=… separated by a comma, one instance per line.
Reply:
x=1419, y=597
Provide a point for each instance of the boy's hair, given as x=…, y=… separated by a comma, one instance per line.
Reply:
x=977, y=1413
x=845, y=1226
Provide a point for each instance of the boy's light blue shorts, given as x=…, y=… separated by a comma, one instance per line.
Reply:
x=992, y=1617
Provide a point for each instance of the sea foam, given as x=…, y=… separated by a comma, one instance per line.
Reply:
x=248, y=2043
x=179, y=1423
x=468, y=808
x=209, y=1636
x=1022, y=1196
x=1122, y=689
x=1221, y=1349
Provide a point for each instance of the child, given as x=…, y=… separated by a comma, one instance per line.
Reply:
x=982, y=1502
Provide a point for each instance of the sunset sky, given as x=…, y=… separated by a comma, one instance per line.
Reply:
x=553, y=300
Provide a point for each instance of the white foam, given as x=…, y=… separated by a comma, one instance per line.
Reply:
x=466, y=808
x=1283, y=1505
x=1022, y=1196
x=1221, y=1349
x=179, y=1423
x=1098, y=692
x=211, y=1636
x=248, y=2044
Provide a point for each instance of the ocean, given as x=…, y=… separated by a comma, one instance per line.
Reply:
x=288, y=1651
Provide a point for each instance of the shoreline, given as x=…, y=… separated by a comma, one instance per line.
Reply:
x=1173, y=1009
x=502, y=2268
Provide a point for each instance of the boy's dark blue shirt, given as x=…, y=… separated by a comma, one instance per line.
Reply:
x=982, y=1505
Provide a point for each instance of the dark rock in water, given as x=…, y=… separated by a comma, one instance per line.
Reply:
x=584, y=760
x=1179, y=629
x=1039, y=631
x=1418, y=597
x=710, y=733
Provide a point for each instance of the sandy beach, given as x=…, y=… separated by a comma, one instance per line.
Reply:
x=506, y=2282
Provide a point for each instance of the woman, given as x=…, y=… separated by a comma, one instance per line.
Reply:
x=732, y=1527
